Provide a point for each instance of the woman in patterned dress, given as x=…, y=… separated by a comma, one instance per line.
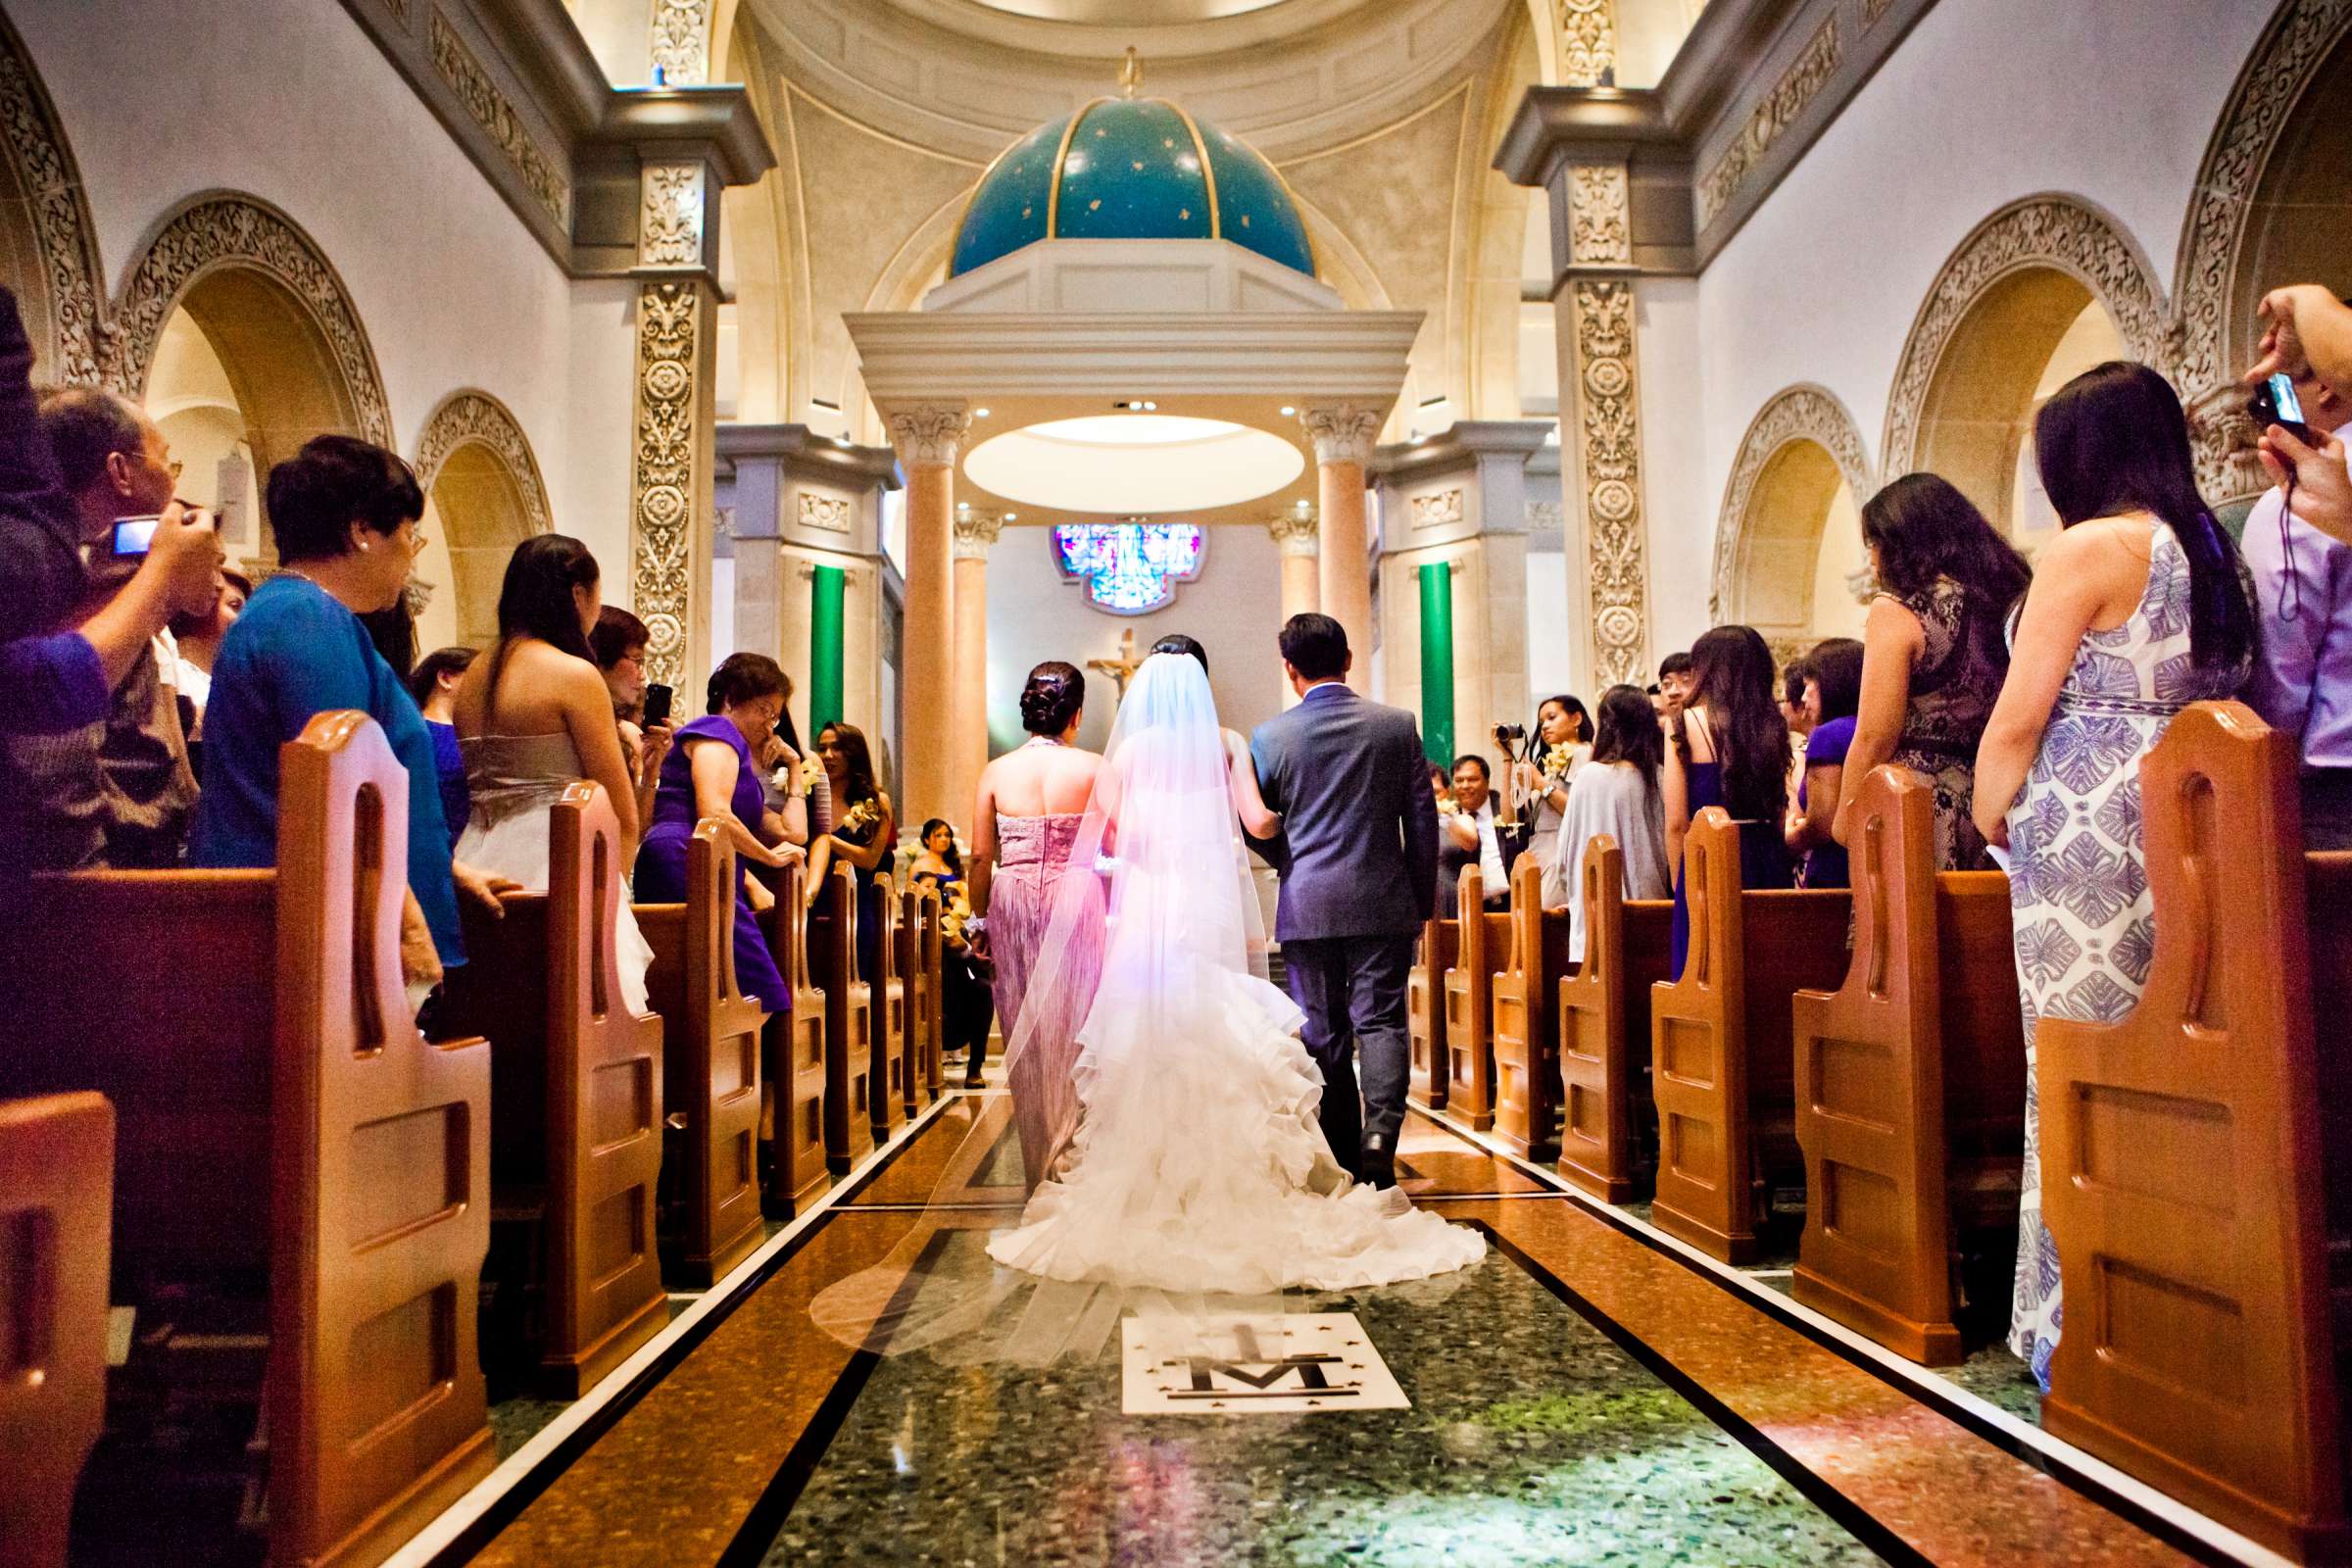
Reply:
x=2140, y=610
x=1934, y=652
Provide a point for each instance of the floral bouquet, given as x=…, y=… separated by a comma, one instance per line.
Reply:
x=1557, y=760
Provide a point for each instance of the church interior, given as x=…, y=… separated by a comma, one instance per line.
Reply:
x=1570, y=366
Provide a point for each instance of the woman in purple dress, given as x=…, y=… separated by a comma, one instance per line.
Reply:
x=715, y=767
x=1031, y=804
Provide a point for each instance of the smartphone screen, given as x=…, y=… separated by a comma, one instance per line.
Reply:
x=2282, y=394
x=135, y=536
x=656, y=704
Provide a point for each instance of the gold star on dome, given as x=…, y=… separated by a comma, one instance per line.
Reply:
x=1244, y=220
x=1184, y=212
x=1139, y=166
x=1026, y=210
x=1096, y=201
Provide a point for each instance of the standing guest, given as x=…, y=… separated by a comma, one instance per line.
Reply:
x=1563, y=745
x=1932, y=650
x=2140, y=610
x=864, y=834
x=1833, y=691
x=2308, y=336
x=1677, y=674
x=196, y=640
x=433, y=683
x=1617, y=793
x=1026, y=820
x=344, y=514
x=618, y=642
x=1729, y=748
x=2302, y=682
x=715, y=770
x=533, y=718
x=1468, y=838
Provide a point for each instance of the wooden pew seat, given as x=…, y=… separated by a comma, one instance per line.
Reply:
x=848, y=1009
x=1525, y=1022
x=888, y=1060
x=1425, y=1011
x=1604, y=1027
x=793, y=1068
x=1483, y=946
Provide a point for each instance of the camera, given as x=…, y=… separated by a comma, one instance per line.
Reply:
x=135, y=536
x=1507, y=733
x=2274, y=403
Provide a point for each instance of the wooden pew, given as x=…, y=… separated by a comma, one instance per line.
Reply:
x=886, y=1026
x=576, y=1097
x=710, y=1062
x=277, y=1110
x=918, y=973
x=57, y=1193
x=1527, y=1060
x=935, y=986
x=849, y=1006
x=1605, y=1026
x=793, y=1068
x=2189, y=1152
x=1482, y=944
x=1910, y=1085
x=1723, y=1060
x=1425, y=1011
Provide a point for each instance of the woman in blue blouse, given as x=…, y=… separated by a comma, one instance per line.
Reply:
x=344, y=513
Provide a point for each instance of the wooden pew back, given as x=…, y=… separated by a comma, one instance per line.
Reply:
x=711, y=1059
x=1425, y=1011
x=917, y=908
x=1721, y=1040
x=57, y=1172
x=887, y=1023
x=1484, y=942
x=1604, y=1025
x=848, y=1008
x=2181, y=1160
x=795, y=1068
x=1527, y=1062
x=935, y=987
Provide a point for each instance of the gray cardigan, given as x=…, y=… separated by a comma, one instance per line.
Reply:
x=1607, y=798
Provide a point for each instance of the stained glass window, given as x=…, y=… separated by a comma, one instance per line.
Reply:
x=1130, y=567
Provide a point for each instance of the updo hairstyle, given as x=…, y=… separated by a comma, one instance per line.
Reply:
x=1052, y=697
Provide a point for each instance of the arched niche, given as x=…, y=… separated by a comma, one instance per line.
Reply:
x=2010, y=296
x=48, y=244
x=2272, y=204
x=1787, y=542
x=483, y=496
x=272, y=312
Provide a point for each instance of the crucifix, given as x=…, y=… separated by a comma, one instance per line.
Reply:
x=1122, y=668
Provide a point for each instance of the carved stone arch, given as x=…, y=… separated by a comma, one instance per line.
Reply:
x=471, y=418
x=2268, y=140
x=1994, y=313
x=1801, y=446
x=486, y=496
x=48, y=244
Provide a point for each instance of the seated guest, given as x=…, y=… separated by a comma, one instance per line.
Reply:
x=617, y=643
x=966, y=1005
x=533, y=716
x=197, y=642
x=434, y=685
x=40, y=534
x=1675, y=676
x=344, y=514
x=1933, y=650
x=1562, y=744
x=1794, y=678
x=1833, y=689
x=863, y=834
x=1617, y=793
x=1467, y=837
x=2302, y=681
x=938, y=861
x=1729, y=748
x=715, y=769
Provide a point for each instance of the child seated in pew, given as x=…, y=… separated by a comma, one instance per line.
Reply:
x=1615, y=792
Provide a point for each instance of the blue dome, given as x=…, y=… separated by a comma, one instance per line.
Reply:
x=1131, y=168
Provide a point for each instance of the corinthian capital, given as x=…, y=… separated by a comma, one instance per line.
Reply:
x=1296, y=533
x=929, y=437
x=975, y=531
x=1343, y=432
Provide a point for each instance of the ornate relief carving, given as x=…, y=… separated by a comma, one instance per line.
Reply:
x=832, y=514
x=62, y=229
x=479, y=418
x=1872, y=10
x=682, y=41
x=1802, y=412
x=216, y=232
x=1599, y=227
x=930, y=438
x=1343, y=432
x=495, y=115
x=661, y=483
x=1609, y=447
x=1296, y=533
x=1587, y=42
x=1442, y=509
x=669, y=225
x=1545, y=517
x=975, y=533
x=2057, y=232
x=1768, y=120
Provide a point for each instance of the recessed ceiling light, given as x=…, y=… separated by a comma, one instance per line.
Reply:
x=1288, y=410
x=841, y=441
x=1013, y=516
x=979, y=414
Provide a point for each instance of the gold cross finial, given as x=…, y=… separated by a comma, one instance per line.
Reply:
x=1131, y=72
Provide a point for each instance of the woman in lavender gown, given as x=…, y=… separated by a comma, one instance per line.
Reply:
x=1026, y=817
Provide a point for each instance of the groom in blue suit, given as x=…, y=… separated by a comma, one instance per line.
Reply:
x=1358, y=859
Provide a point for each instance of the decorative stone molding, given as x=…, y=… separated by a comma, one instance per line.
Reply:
x=415, y=596
x=2050, y=231
x=1801, y=412
x=930, y=438
x=1599, y=221
x=681, y=46
x=669, y=223
x=1609, y=461
x=662, y=478
x=1587, y=42
x=1442, y=509
x=975, y=533
x=1298, y=533
x=34, y=142
x=1545, y=517
x=224, y=230
x=1343, y=432
x=480, y=419
x=833, y=513
x=458, y=65
x=1769, y=121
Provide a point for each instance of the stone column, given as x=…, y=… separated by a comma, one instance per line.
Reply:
x=928, y=440
x=1342, y=433
x=968, y=719
x=1296, y=534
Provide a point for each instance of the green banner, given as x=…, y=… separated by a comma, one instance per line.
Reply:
x=1436, y=662
x=825, y=649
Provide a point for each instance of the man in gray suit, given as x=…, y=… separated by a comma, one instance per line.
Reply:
x=1358, y=861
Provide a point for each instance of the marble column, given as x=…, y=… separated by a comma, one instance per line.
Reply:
x=1296, y=535
x=967, y=719
x=928, y=440
x=1342, y=433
